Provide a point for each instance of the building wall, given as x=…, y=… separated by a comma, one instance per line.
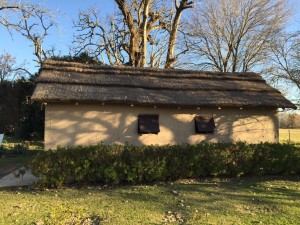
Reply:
x=85, y=124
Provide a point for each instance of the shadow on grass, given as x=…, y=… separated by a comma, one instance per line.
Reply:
x=248, y=198
x=266, y=194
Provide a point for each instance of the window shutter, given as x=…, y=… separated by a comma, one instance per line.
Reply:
x=148, y=124
x=204, y=124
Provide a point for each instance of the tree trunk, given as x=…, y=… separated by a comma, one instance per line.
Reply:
x=145, y=33
x=184, y=4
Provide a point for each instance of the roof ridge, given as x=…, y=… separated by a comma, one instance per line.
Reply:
x=181, y=76
x=52, y=62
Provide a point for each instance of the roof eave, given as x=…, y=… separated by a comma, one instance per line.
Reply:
x=284, y=106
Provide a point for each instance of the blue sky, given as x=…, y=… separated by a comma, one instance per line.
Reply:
x=20, y=48
x=67, y=10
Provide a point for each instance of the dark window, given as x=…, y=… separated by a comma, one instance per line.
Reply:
x=204, y=124
x=148, y=124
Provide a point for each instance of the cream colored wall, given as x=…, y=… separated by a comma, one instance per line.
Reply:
x=85, y=124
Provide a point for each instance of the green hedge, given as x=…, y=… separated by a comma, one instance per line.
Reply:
x=131, y=164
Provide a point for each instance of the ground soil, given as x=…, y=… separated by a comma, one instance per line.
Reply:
x=10, y=164
x=8, y=169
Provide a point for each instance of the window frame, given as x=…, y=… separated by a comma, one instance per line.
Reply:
x=204, y=124
x=151, y=121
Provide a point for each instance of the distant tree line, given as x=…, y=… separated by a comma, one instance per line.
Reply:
x=289, y=120
x=19, y=115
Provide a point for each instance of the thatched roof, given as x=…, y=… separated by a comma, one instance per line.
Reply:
x=75, y=82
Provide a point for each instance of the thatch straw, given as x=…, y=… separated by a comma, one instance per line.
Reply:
x=75, y=82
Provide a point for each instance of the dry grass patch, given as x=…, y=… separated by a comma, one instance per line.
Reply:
x=289, y=135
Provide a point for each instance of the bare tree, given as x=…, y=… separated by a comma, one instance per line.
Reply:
x=289, y=120
x=286, y=59
x=234, y=35
x=33, y=21
x=135, y=34
x=171, y=58
x=6, y=67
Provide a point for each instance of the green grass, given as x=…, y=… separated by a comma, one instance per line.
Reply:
x=266, y=200
x=10, y=142
x=289, y=135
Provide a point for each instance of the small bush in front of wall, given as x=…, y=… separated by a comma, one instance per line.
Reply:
x=130, y=164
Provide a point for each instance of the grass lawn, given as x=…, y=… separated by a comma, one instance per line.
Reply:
x=289, y=135
x=266, y=200
x=10, y=142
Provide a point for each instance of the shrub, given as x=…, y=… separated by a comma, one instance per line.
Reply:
x=131, y=164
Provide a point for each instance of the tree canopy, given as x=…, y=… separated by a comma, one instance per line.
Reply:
x=236, y=38
x=140, y=33
x=31, y=20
